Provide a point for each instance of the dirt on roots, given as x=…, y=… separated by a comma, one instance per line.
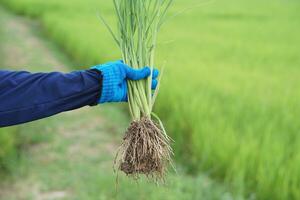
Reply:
x=145, y=150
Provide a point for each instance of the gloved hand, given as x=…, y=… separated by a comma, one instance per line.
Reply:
x=115, y=74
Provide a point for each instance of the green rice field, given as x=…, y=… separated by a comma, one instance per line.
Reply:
x=230, y=95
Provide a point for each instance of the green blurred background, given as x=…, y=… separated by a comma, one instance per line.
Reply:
x=229, y=98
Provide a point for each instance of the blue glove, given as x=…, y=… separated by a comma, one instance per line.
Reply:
x=115, y=74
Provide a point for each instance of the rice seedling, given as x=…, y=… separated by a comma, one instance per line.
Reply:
x=146, y=146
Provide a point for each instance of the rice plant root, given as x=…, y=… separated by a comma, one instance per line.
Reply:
x=145, y=150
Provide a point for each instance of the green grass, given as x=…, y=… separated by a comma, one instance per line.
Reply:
x=231, y=99
x=8, y=150
x=8, y=136
x=84, y=170
x=71, y=154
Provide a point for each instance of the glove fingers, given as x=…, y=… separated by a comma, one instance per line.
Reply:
x=137, y=74
x=155, y=73
x=154, y=84
x=125, y=96
x=121, y=93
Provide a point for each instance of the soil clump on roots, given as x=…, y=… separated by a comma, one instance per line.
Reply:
x=145, y=150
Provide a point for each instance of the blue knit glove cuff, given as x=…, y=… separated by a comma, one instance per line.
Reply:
x=111, y=77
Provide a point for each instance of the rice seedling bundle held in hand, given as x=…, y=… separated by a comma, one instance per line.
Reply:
x=146, y=146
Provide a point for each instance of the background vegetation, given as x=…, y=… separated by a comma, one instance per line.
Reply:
x=8, y=148
x=55, y=158
x=230, y=95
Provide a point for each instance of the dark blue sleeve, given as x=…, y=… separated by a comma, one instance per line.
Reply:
x=28, y=96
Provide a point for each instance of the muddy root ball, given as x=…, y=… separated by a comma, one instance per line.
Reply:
x=145, y=150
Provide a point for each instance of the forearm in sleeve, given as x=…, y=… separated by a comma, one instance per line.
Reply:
x=25, y=96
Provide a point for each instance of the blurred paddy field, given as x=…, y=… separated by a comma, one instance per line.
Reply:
x=70, y=156
x=230, y=94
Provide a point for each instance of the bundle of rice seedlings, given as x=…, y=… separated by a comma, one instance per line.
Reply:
x=146, y=146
